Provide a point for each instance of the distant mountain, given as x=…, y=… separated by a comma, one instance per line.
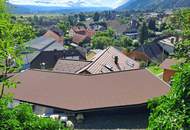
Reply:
x=154, y=4
x=30, y=9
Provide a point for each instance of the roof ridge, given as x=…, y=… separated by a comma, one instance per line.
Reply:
x=75, y=60
x=88, y=75
x=95, y=60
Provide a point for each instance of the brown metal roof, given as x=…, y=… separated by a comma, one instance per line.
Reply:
x=104, y=62
x=69, y=66
x=79, y=92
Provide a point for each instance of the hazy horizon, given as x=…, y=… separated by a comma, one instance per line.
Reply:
x=71, y=3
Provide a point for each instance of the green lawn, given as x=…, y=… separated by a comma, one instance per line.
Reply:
x=155, y=70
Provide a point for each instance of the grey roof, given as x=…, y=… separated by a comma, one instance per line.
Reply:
x=154, y=51
x=54, y=46
x=40, y=43
x=45, y=44
x=69, y=66
x=28, y=58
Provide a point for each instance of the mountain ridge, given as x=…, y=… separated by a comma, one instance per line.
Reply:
x=154, y=4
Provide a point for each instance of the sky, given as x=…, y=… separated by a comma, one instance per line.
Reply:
x=71, y=3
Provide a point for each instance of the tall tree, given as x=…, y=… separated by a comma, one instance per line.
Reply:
x=96, y=17
x=82, y=17
x=143, y=33
x=182, y=48
x=152, y=24
x=64, y=26
x=12, y=39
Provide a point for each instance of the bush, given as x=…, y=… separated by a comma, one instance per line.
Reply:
x=22, y=118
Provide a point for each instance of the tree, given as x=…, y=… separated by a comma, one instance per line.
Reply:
x=152, y=24
x=21, y=117
x=101, y=40
x=72, y=20
x=96, y=17
x=64, y=26
x=143, y=33
x=126, y=41
x=172, y=111
x=82, y=17
x=12, y=39
x=182, y=48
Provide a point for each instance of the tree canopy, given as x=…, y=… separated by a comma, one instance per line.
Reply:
x=172, y=111
x=12, y=38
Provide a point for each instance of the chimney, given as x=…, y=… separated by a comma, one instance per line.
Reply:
x=116, y=59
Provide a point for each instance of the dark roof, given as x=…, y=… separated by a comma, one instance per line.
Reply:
x=104, y=62
x=28, y=58
x=117, y=26
x=80, y=92
x=44, y=44
x=154, y=51
x=69, y=66
x=40, y=43
x=55, y=46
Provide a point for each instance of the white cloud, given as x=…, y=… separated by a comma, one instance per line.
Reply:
x=69, y=3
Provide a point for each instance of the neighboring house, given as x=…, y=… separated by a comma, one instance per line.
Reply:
x=106, y=101
x=75, y=52
x=169, y=71
x=168, y=44
x=54, y=35
x=138, y=56
x=69, y=66
x=109, y=60
x=134, y=25
x=98, y=26
x=154, y=52
x=117, y=26
x=43, y=53
x=81, y=34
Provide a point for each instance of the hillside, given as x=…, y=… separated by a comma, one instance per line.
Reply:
x=154, y=4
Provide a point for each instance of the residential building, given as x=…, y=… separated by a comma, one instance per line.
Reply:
x=43, y=52
x=169, y=71
x=103, y=101
x=154, y=52
x=109, y=60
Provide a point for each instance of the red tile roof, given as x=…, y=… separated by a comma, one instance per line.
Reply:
x=82, y=34
x=78, y=38
x=51, y=34
x=79, y=92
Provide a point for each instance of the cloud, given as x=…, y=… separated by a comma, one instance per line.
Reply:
x=71, y=3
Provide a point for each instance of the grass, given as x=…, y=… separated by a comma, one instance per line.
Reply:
x=156, y=70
